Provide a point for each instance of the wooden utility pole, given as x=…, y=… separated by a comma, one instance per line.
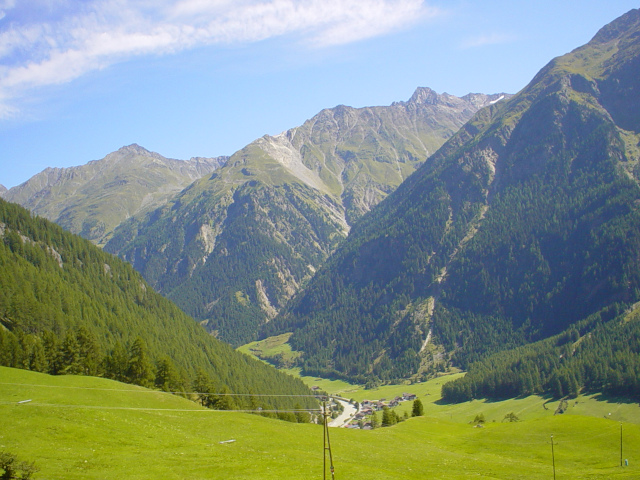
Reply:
x=553, y=459
x=327, y=443
x=620, y=443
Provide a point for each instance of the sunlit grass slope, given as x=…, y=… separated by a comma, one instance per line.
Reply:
x=91, y=428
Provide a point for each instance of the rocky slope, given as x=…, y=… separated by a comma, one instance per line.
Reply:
x=233, y=247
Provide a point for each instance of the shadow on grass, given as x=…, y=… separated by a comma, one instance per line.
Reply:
x=609, y=398
x=546, y=397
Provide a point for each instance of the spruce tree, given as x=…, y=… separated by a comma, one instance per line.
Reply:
x=374, y=420
x=387, y=417
x=70, y=361
x=418, y=408
x=90, y=354
x=203, y=387
x=140, y=368
x=167, y=376
x=117, y=363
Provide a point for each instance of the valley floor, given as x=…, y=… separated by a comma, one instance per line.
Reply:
x=92, y=428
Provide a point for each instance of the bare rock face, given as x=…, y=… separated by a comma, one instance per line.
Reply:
x=3, y=191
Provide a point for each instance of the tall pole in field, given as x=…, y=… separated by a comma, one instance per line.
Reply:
x=553, y=459
x=324, y=440
x=620, y=443
x=327, y=443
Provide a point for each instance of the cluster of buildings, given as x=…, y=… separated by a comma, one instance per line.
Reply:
x=369, y=407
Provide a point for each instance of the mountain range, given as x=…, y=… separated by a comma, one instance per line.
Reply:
x=525, y=222
x=435, y=234
x=235, y=246
x=91, y=200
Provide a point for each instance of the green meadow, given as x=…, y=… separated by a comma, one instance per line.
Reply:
x=528, y=408
x=92, y=428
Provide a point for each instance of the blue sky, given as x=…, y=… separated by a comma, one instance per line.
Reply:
x=82, y=78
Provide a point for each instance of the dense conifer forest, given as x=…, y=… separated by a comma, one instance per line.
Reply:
x=66, y=307
x=599, y=354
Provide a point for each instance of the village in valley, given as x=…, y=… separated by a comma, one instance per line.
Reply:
x=348, y=413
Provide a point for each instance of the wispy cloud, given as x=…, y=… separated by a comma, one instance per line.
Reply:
x=487, y=39
x=45, y=43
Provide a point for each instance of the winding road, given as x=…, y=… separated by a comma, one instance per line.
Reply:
x=345, y=416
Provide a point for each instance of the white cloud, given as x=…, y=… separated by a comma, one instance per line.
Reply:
x=487, y=39
x=71, y=39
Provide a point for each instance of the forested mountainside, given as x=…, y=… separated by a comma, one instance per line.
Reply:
x=598, y=354
x=68, y=307
x=93, y=199
x=522, y=224
x=233, y=247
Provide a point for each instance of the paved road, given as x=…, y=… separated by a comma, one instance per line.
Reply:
x=344, y=417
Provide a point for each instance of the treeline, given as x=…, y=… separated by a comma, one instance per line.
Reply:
x=79, y=353
x=58, y=290
x=599, y=354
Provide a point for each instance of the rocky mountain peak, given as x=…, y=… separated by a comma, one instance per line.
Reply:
x=134, y=150
x=3, y=190
x=425, y=96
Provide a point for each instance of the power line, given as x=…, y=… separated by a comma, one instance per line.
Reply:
x=104, y=407
x=147, y=390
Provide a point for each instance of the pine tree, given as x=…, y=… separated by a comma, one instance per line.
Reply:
x=167, y=376
x=140, y=369
x=418, y=408
x=70, y=361
x=117, y=363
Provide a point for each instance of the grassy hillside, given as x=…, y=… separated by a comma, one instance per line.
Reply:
x=91, y=428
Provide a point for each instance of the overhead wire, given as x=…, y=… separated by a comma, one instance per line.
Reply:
x=146, y=390
x=104, y=407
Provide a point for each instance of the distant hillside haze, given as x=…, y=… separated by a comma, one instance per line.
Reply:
x=93, y=199
x=524, y=223
x=236, y=245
